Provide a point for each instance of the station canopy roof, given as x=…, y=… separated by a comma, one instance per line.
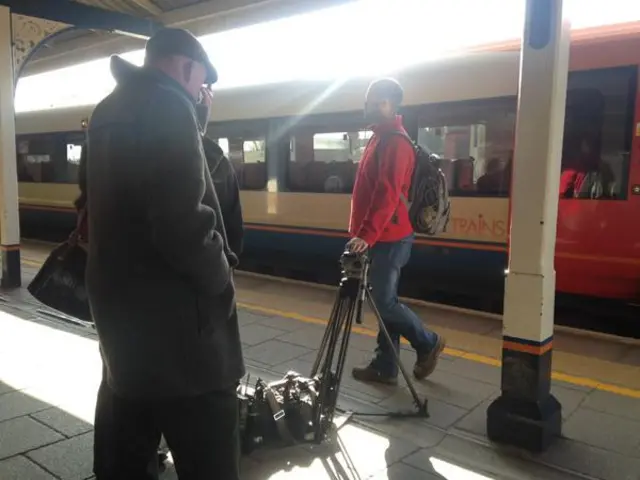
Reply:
x=199, y=16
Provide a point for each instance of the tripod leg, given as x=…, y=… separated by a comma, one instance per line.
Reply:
x=350, y=309
x=353, y=309
x=355, y=313
x=421, y=405
x=343, y=306
x=335, y=314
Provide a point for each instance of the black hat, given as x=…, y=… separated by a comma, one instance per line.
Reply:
x=177, y=41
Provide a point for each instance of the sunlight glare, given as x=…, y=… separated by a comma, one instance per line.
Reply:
x=366, y=37
x=449, y=471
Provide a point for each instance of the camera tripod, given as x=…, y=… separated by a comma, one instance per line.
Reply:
x=352, y=293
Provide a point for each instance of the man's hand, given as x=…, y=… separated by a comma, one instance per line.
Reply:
x=207, y=95
x=206, y=98
x=357, y=245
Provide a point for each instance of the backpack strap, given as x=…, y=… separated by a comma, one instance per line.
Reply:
x=383, y=139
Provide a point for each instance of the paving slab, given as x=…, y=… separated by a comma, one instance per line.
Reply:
x=607, y=402
x=21, y=468
x=63, y=422
x=17, y=404
x=50, y=375
x=247, y=318
x=70, y=459
x=414, y=430
x=6, y=388
x=368, y=451
x=456, y=390
x=441, y=414
x=23, y=434
x=569, y=398
x=281, y=323
x=609, y=432
x=479, y=372
x=592, y=461
x=503, y=462
x=308, y=337
x=457, y=457
x=403, y=471
x=253, y=334
x=274, y=352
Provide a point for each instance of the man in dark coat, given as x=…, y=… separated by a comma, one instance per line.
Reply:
x=159, y=273
x=226, y=186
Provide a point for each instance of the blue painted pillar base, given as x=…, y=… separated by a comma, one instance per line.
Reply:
x=11, y=271
x=525, y=415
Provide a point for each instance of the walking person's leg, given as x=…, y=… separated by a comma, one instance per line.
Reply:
x=387, y=261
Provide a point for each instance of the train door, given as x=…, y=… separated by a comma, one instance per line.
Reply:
x=598, y=244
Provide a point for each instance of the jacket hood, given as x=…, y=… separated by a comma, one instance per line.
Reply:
x=121, y=70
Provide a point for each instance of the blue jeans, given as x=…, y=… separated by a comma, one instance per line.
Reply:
x=387, y=260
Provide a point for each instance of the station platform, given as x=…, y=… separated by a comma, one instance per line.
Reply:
x=50, y=371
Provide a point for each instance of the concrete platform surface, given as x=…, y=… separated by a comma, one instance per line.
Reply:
x=50, y=370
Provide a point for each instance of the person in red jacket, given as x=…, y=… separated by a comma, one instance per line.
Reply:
x=380, y=223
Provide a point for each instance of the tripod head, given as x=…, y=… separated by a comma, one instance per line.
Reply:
x=353, y=264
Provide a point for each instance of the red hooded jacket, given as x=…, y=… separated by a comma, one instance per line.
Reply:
x=377, y=212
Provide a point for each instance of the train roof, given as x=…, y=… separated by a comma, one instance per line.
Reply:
x=486, y=73
x=462, y=77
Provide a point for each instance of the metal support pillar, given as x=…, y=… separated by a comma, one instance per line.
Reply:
x=9, y=217
x=526, y=415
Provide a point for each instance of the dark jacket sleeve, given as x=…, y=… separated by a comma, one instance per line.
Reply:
x=235, y=223
x=183, y=228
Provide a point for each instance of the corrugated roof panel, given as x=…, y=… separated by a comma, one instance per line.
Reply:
x=124, y=6
x=141, y=8
x=168, y=5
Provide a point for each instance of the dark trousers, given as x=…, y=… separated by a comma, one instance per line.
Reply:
x=201, y=432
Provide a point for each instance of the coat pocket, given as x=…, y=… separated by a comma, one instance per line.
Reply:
x=215, y=310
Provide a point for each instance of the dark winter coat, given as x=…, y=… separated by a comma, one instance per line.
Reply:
x=159, y=268
x=226, y=187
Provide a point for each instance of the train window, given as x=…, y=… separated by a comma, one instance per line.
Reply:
x=597, y=137
x=74, y=145
x=74, y=152
x=475, y=143
x=35, y=157
x=224, y=144
x=248, y=156
x=326, y=161
x=254, y=151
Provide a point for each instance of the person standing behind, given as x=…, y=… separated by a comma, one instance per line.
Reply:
x=159, y=274
x=380, y=222
x=226, y=184
x=225, y=181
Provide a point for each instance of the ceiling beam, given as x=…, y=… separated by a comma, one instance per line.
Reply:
x=83, y=16
x=148, y=6
x=201, y=19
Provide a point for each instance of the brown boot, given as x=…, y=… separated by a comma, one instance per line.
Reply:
x=426, y=363
x=371, y=375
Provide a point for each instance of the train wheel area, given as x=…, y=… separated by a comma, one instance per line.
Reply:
x=50, y=371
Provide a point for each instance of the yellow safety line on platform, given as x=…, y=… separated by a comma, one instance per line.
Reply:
x=474, y=357
x=452, y=352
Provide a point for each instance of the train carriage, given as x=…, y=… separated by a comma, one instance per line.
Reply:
x=296, y=147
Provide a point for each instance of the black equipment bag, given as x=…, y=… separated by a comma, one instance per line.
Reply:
x=60, y=282
x=428, y=204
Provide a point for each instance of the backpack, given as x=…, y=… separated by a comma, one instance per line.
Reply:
x=428, y=204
